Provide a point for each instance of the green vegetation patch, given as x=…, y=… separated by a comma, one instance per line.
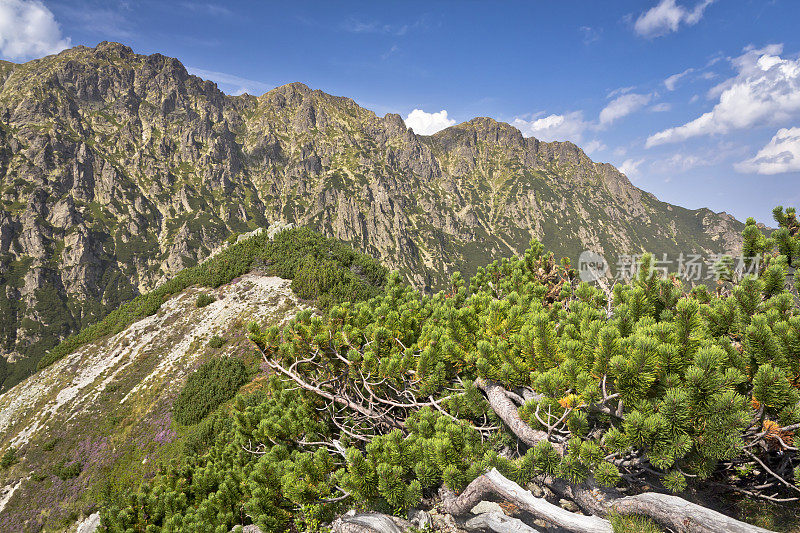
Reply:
x=9, y=458
x=214, y=383
x=204, y=300
x=380, y=404
x=216, y=342
x=633, y=524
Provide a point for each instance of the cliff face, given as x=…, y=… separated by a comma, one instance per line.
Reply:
x=117, y=169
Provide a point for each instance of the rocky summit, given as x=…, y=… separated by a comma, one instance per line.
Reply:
x=118, y=169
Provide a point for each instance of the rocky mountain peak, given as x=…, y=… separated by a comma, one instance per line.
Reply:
x=118, y=169
x=482, y=129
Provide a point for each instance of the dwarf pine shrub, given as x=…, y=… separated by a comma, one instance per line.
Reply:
x=212, y=384
x=204, y=300
x=653, y=372
x=9, y=458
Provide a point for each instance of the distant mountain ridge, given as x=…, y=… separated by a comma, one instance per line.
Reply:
x=117, y=169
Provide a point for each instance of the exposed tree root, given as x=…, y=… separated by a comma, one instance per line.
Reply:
x=370, y=523
x=494, y=483
x=673, y=512
x=499, y=523
x=508, y=413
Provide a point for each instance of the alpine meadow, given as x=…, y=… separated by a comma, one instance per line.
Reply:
x=233, y=302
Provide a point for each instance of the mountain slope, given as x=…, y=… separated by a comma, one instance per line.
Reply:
x=117, y=169
x=108, y=407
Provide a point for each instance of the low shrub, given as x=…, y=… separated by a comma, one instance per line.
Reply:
x=214, y=383
x=216, y=342
x=67, y=471
x=204, y=300
x=9, y=458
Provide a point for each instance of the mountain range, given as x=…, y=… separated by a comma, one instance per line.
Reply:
x=119, y=169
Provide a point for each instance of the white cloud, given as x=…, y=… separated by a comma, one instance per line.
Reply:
x=567, y=127
x=766, y=90
x=706, y=155
x=590, y=34
x=389, y=52
x=359, y=25
x=619, y=91
x=206, y=8
x=685, y=161
x=672, y=81
x=229, y=83
x=28, y=29
x=659, y=108
x=630, y=167
x=781, y=154
x=428, y=123
x=666, y=17
x=622, y=106
x=594, y=146
x=354, y=25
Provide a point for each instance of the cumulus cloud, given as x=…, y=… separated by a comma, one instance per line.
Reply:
x=622, y=106
x=28, y=29
x=594, y=146
x=428, y=123
x=567, y=127
x=667, y=16
x=630, y=167
x=659, y=108
x=672, y=81
x=781, y=154
x=766, y=90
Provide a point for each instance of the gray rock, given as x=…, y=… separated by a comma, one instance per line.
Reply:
x=90, y=524
x=568, y=505
x=486, y=506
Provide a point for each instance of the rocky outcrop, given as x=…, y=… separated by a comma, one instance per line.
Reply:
x=118, y=169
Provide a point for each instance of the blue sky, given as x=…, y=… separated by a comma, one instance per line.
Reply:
x=697, y=101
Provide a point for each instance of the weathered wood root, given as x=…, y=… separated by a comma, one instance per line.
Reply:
x=494, y=482
x=682, y=515
x=673, y=512
x=509, y=414
x=369, y=523
x=499, y=523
